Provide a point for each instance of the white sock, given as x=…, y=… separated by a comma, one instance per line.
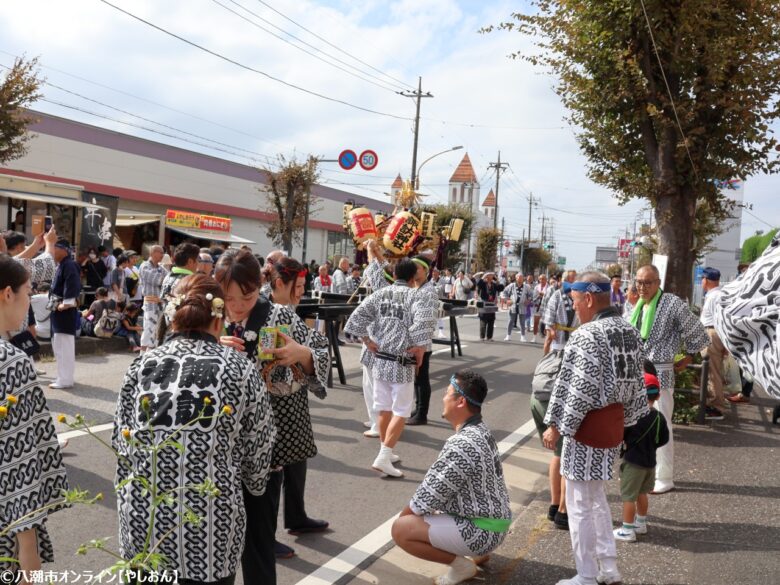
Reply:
x=640, y=520
x=384, y=450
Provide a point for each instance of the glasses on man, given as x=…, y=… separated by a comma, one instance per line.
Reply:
x=645, y=283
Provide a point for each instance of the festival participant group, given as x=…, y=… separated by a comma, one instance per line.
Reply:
x=226, y=369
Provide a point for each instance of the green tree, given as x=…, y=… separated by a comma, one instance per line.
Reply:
x=720, y=60
x=453, y=253
x=286, y=191
x=614, y=270
x=533, y=258
x=488, y=240
x=19, y=88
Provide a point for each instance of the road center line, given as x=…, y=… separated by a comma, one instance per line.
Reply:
x=80, y=433
x=447, y=349
x=368, y=546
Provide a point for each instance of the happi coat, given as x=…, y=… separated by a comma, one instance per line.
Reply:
x=294, y=432
x=674, y=328
x=560, y=311
x=67, y=286
x=602, y=364
x=467, y=481
x=231, y=450
x=396, y=318
x=747, y=319
x=32, y=475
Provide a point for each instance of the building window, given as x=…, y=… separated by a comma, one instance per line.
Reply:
x=454, y=195
x=339, y=244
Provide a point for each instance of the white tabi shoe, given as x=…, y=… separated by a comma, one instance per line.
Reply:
x=461, y=569
x=383, y=465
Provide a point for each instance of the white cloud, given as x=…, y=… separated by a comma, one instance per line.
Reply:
x=469, y=74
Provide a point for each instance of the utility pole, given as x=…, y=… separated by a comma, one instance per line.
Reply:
x=522, y=251
x=417, y=95
x=499, y=166
x=501, y=246
x=530, y=206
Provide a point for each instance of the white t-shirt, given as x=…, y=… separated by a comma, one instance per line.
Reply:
x=707, y=316
x=42, y=315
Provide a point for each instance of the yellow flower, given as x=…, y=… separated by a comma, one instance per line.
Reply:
x=3, y=412
x=207, y=401
x=62, y=419
x=126, y=434
x=227, y=409
x=12, y=399
x=146, y=404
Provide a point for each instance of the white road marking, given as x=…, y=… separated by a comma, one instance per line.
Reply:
x=374, y=541
x=447, y=349
x=95, y=429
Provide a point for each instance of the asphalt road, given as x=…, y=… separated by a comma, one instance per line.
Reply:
x=341, y=487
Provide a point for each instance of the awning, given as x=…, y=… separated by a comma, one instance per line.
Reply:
x=125, y=220
x=211, y=235
x=49, y=199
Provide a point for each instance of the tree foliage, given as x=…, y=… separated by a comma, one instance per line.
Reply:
x=721, y=63
x=488, y=240
x=286, y=192
x=533, y=258
x=755, y=245
x=453, y=253
x=614, y=270
x=18, y=89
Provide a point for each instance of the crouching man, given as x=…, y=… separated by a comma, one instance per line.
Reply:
x=460, y=512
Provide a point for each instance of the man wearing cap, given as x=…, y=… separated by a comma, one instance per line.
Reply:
x=65, y=289
x=487, y=291
x=460, y=511
x=710, y=284
x=151, y=276
x=598, y=392
x=395, y=325
x=665, y=323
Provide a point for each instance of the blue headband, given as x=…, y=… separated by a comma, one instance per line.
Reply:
x=591, y=287
x=470, y=400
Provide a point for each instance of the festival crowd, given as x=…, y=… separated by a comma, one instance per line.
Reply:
x=215, y=407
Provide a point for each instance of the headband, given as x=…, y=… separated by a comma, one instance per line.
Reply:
x=591, y=287
x=455, y=385
x=421, y=262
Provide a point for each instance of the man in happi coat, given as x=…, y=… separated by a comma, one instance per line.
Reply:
x=150, y=282
x=665, y=324
x=460, y=512
x=395, y=324
x=559, y=315
x=66, y=287
x=602, y=365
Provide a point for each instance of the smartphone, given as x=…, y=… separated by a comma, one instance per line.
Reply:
x=47, y=223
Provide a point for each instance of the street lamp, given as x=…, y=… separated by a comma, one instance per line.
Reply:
x=417, y=178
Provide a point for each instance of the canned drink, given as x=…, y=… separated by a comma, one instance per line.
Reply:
x=266, y=342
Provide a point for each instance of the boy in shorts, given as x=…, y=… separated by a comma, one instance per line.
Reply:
x=637, y=472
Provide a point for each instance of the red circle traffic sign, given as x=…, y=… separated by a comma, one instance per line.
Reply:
x=368, y=160
x=347, y=159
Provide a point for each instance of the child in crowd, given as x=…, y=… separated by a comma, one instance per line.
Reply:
x=129, y=326
x=637, y=472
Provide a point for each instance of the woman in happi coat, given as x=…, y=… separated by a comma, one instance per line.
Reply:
x=165, y=391
x=32, y=475
x=248, y=313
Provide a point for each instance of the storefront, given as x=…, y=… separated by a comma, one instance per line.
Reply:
x=204, y=230
x=83, y=218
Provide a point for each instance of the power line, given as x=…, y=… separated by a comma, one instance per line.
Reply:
x=381, y=85
x=250, y=68
x=327, y=42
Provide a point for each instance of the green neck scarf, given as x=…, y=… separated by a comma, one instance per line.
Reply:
x=180, y=270
x=649, y=319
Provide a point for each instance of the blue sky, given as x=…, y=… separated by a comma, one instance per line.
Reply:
x=146, y=73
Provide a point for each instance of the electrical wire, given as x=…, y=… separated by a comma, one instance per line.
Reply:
x=668, y=89
x=252, y=69
x=327, y=42
x=381, y=85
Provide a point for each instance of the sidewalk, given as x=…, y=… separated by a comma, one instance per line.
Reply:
x=90, y=346
x=721, y=525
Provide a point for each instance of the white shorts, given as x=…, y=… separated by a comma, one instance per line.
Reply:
x=397, y=398
x=444, y=534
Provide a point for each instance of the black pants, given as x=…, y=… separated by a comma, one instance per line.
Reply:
x=747, y=385
x=294, y=487
x=258, y=563
x=226, y=581
x=486, y=323
x=422, y=387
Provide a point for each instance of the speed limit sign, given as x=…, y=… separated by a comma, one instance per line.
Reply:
x=368, y=160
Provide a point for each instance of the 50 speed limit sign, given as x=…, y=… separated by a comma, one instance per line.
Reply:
x=368, y=160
